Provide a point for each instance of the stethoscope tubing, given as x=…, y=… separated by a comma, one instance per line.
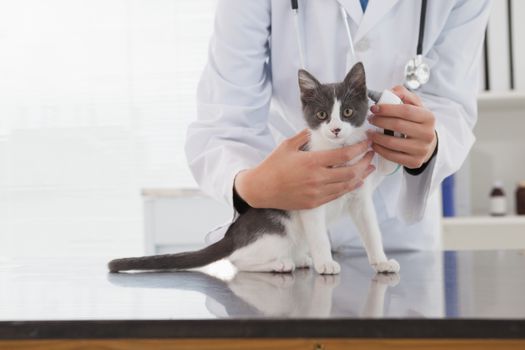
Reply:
x=421, y=35
x=419, y=48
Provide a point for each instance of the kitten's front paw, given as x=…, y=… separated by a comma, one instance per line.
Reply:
x=303, y=262
x=283, y=265
x=327, y=267
x=390, y=266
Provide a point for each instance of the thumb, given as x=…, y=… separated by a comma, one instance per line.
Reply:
x=407, y=96
x=300, y=139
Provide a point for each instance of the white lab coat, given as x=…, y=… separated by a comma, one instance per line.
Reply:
x=248, y=97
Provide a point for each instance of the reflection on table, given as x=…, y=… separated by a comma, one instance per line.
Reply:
x=357, y=292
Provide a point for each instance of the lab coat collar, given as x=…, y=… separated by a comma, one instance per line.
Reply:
x=353, y=8
x=375, y=11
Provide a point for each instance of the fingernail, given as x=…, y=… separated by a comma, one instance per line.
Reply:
x=370, y=168
x=359, y=184
x=374, y=109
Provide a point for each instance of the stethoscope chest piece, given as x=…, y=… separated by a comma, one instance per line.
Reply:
x=417, y=73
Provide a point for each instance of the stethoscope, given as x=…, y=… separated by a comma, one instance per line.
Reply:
x=417, y=71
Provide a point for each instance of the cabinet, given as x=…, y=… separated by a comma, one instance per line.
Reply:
x=498, y=154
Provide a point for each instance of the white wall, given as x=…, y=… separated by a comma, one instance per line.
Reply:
x=499, y=151
x=95, y=100
x=518, y=28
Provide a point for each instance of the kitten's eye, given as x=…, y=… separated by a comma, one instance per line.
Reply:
x=321, y=115
x=348, y=112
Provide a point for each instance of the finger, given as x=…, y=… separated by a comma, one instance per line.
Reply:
x=299, y=140
x=340, y=155
x=396, y=157
x=407, y=96
x=338, y=188
x=346, y=173
x=397, y=124
x=356, y=169
x=408, y=146
x=408, y=112
x=362, y=165
x=369, y=170
x=339, y=174
x=337, y=194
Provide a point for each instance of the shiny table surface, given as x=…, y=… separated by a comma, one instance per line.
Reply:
x=437, y=294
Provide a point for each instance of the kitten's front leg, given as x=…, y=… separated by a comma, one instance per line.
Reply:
x=363, y=213
x=313, y=222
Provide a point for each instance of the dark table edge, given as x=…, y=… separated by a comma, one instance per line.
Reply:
x=267, y=328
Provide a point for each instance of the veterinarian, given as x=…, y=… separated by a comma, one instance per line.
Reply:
x=245, y=146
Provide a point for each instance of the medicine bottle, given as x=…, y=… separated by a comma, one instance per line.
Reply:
x=520, y=198
x=498, y=202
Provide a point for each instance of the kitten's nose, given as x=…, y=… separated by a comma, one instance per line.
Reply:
x=336, y=131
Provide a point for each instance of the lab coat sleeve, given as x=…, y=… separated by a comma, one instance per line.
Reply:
x=454, y=59
x=233, y=98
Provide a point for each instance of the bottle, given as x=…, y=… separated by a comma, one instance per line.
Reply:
x=498, y=202
x=520, y=198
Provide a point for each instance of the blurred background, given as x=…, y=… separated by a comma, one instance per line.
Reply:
x=95, y=99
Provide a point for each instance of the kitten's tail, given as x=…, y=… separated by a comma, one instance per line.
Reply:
x=185, y=260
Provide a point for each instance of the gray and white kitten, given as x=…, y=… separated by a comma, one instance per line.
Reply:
x=278, y=240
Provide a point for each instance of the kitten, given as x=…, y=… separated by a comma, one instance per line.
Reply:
x=278, y=240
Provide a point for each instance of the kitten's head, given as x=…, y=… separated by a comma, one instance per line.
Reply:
x=335, y=110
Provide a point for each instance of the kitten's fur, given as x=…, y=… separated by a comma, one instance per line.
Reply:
x=278, y=240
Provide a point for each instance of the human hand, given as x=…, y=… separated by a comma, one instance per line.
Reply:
x=411, y=119
x=292, y=179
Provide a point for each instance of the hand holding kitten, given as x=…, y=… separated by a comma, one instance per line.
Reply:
x=291, y=179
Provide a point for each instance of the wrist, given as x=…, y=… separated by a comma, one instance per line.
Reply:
x=433, y=148
x=417, y=171
x=244, y=186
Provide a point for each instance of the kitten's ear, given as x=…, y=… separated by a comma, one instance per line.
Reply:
x=307, y=81
x=356, y=79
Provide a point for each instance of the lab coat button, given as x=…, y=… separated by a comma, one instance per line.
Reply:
x=362, y=45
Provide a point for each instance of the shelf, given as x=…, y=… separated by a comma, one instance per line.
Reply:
x=485, y=220
x=484, y=232
x=171, y=192
x=506, y=100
